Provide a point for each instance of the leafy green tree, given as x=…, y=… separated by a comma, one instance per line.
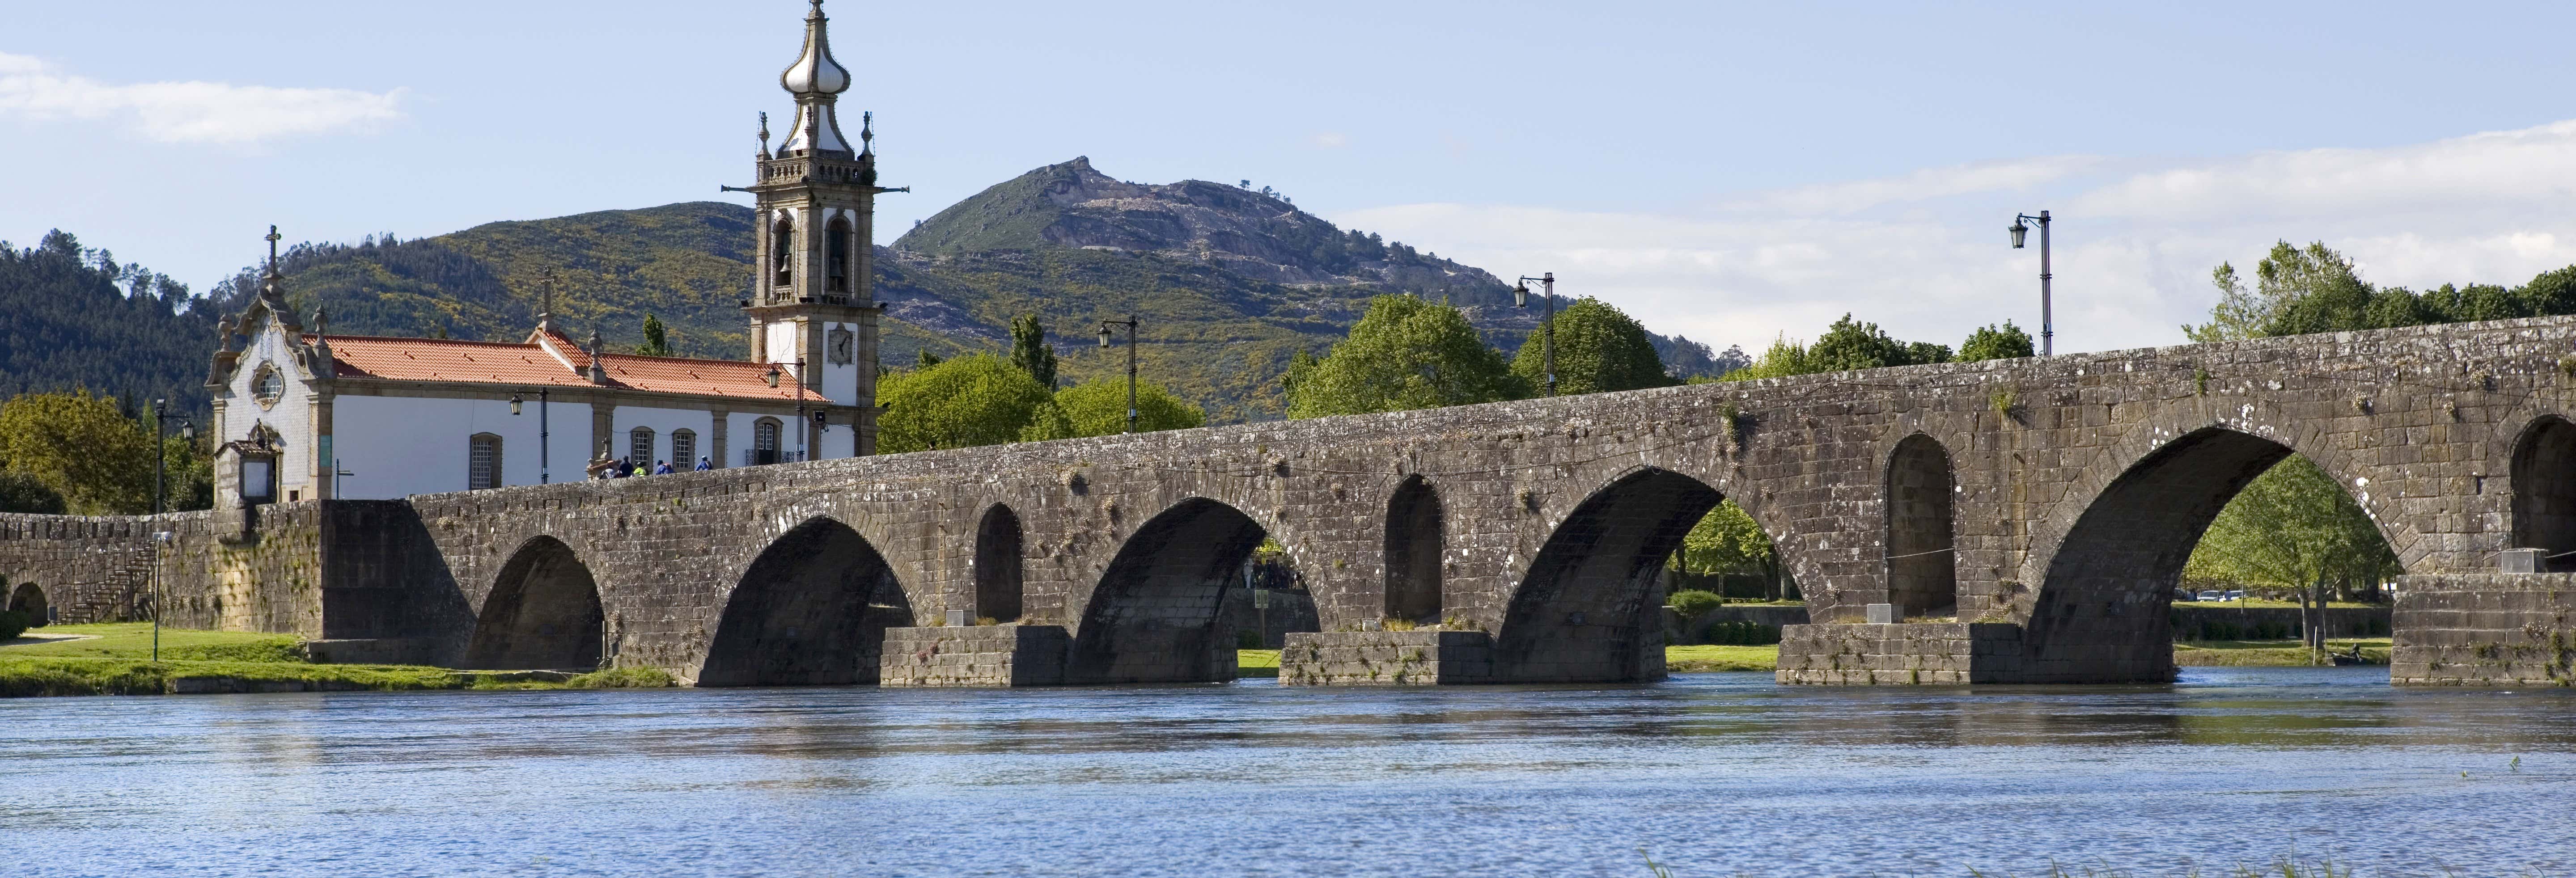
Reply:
x=2296, y=290
x=82, y=448
x=20, y=492
x=1029, y=350
x=1847, y=344
x=976, y=399
x=926, y=359
x=1726, y=540
x=1991, y=343
x=657, y=338
x=2290, y=528
x=1099, y=408
x=1598, y=348
x=1405, y=353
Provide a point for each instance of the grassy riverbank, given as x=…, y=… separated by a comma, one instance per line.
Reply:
x=116, y=659
x=2270, y=653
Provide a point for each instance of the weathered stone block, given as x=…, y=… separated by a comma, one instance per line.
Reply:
x=974, y=655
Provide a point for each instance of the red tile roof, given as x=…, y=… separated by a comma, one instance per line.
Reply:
x=530, y=363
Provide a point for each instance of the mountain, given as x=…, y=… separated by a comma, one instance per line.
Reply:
x=1227, y=283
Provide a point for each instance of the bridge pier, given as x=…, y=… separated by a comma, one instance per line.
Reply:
x=2485, y=629
x=976, y=655
x=1387, y=658
x=1922, y=653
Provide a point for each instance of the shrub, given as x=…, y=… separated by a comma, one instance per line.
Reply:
x=1743, y=634
x=13, y=623
x=1691, y=602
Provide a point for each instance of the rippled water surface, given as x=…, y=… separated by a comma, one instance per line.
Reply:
x=1714, y=774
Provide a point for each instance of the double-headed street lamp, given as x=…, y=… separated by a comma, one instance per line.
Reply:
x=2047, y=328
x=1547, y=325
x=1105, y=337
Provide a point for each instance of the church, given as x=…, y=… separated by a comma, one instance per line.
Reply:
x=305, y=415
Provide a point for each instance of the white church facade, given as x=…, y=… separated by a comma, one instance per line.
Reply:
x=304, y=415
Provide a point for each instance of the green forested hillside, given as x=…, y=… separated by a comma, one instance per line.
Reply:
x=72, y=318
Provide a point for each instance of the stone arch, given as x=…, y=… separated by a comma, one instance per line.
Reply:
x=543, y=612
x=1920, y=527
x=811, y=610
x=1582, y=612
x=999, y=564
x=836, y=256
x=1152, y=617
x=2544, y=486
x=29, y=598
x=1414, y=541
x=782, y=251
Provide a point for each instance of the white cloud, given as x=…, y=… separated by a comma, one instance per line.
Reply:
x=1925, y=254
x=190, y=112
x=1330, y=140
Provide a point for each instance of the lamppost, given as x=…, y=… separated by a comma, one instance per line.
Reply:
x=2047, y=329
x=1520, y=299
x=160, y=471
x=1130, y=323
x=545, y=475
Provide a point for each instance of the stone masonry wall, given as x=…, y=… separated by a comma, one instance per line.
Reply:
x=2080, y=483
x=2485, y=629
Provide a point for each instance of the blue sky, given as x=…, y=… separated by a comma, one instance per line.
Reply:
x=1732, y=172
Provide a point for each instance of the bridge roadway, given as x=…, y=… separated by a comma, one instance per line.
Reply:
x=2021, y=521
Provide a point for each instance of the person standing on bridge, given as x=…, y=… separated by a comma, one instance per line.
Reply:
x=662, y=468
x=705, y=464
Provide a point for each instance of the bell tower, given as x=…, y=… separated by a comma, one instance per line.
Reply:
x=812, y=308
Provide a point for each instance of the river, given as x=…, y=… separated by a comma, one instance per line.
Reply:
x=1711, y=774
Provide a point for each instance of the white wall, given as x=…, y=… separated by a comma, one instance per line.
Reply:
x=624, y=420
x=839, y=381
x=398, y=446
x=291, y=416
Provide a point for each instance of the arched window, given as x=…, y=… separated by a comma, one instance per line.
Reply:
x=764, y=441
x=782, y=253
x=684, y=449
x=836, y=257
x=639, y=444
x=2544, y=488
x=483, y=462
x=1413, y=553
x=267, y=385
x=1922, y=572
x=997, y=565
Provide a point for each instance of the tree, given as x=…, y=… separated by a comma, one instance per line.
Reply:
x=1847, y=344
x=1598, y=348
x=976, y=399
x=1405, y=353
x=2293, y=531
x=2296, y=290
x=20, y=492
x=1990, y=343
x=657, y=338
x=1099, y=408
x=1029, y=350
x=1727, y=540
x=80, y=447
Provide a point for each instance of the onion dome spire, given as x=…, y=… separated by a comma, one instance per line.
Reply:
x=816, y=80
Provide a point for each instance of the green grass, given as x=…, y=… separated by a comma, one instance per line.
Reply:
x=1696, y=659
x=117, y=661
x=133, y=640
x=2266, y=603
x=1256, y=662
x=2269, y=653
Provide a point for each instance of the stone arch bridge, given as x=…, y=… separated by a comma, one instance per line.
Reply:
x=2008, y=521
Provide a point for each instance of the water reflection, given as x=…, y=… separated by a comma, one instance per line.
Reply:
x=1717, y=774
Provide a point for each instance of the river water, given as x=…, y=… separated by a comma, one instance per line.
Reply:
x=1712, y=774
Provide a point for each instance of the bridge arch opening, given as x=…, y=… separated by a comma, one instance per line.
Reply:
x=1413, y=552
x=1922, y=568
x=1586, y=612
x=2544, y=488
x=543, y=612
x=999, y=565
x=1153, y=616
x=812, y=610
x=2104, y=611
x=29, y=598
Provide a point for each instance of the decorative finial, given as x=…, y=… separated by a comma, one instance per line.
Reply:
x=321, y=320
x=764, y=134
x=546, y=308
x=867, y=131
x=272, y=249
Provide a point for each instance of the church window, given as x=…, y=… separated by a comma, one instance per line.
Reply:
x=483, y=462
x=836, y=257
x=640, y=444
x=684, y=449
x=764, y=441
x=268, y=385
x=782, y=252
